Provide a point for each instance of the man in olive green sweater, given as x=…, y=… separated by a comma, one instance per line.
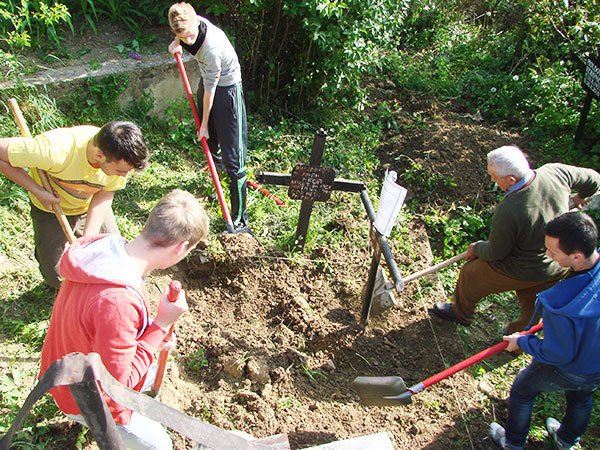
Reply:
x=514, y=257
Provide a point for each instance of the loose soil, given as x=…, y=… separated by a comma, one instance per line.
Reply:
x=281, y=338
x=270, y=345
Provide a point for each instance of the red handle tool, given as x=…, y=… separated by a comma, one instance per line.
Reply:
x=484, y=354
x=211, y=164
x=174, y=289
x=262, y=190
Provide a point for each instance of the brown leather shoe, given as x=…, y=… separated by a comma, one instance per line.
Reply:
x=444, y=310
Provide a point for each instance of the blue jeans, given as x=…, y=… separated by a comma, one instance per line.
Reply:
x=537, y=378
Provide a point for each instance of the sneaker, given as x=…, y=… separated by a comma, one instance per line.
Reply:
x=239, y=228
x=497, y=434
x=552, y=425
x=242, y=229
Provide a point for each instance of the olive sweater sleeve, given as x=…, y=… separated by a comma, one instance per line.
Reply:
x=503, y=235
x=584, y=181
x=516, y=241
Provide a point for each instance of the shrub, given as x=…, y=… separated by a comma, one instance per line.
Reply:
x=515, y=61
x=30, y=22
x=312, y=53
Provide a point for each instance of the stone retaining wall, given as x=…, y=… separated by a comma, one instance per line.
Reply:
x=154, y=74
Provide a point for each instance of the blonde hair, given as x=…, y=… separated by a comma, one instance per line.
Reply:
x=177, y=217
x=181, y=17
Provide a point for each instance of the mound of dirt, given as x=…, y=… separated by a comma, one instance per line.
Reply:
x=272, y=345
x=280, y=341
x=440, y=153
x=281, y=344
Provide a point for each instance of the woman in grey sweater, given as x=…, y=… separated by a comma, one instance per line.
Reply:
x=220, y=99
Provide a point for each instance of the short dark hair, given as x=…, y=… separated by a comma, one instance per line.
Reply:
x=576, y=232
x=122, y=141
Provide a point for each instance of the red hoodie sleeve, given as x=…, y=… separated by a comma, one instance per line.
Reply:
x=115, y=324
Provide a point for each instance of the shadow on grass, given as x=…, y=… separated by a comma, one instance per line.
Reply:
x=26, y=309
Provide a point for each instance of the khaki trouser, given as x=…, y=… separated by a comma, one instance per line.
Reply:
x=478, y=278
x=50, y=240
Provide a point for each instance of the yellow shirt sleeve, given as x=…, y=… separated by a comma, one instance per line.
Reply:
x=36, y=152
x=62, y=153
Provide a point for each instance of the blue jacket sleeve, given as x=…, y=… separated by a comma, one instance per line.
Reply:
x=558, y=347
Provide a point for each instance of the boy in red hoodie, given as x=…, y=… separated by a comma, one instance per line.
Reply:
x=102, y=307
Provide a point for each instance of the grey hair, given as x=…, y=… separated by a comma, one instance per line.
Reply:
x=509, y=160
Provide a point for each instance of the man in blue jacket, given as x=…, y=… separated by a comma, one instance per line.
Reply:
x=568, y=357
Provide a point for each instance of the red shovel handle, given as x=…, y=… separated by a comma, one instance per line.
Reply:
x=188, y=89
x=174, y=289
x=208, y=155
x=267, y=194
x=475, y=359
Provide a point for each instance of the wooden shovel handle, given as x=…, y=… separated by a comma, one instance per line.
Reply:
x=163, y=356
x=58, y=212
x=435, y=268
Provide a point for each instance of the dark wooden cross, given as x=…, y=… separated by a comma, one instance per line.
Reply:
x=310, y=183
x=591, y=83
x=315, y=183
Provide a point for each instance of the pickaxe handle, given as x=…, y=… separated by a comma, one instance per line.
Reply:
x=58, y=212
x=174, y=289
x=435, y=268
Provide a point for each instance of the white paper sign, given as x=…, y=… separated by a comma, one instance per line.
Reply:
x=391, y=200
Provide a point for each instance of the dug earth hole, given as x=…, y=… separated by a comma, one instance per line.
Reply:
x=280, y=341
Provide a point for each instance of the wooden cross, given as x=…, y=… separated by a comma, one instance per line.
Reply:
x=315, y=183
x=310, y=183
x=591, y=83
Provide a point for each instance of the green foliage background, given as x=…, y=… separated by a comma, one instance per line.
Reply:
x=516, y=61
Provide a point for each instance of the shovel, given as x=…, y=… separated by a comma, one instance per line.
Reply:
x=209, y=159
x=382, y=298
x=58, y=212
x=392, y=391
x=435, y=268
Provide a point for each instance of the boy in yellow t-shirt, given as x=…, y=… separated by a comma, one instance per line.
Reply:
x=85, y=165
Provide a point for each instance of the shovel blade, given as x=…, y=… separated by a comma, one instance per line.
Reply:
x=374, y=390
x=383, y=296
